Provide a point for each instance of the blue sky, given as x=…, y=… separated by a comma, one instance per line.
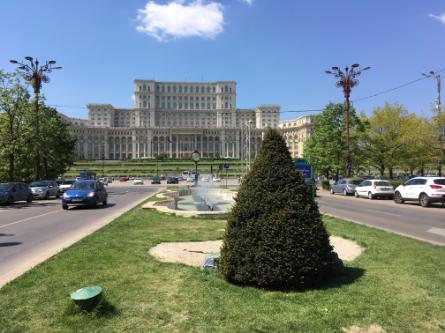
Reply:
x=277, y=50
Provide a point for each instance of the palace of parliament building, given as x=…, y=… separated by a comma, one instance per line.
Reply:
x=173, y=119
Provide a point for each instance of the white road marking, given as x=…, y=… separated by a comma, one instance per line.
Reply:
x=437, y=231
x=29, y=218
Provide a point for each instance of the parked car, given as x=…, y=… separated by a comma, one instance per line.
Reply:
x=205, y=178
x=66, y=184
x=44, y=189
x=374, y=188
x=104, y=180
x=216, y=179
x=138, y=181
x=155, y=180
x=123, y=178
x=85, y=193
x=190, y=179
x=345, y=185
x=172, y=180
x=423, y=189
x=163, y=177
x=11, y=192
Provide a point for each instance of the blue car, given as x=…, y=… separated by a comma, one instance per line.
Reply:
x=85, y=193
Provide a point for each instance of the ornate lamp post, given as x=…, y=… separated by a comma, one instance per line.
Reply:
x=36, y=74
x=347, y=79
x=196, y=156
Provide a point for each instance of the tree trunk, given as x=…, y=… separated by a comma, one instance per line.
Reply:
x=11, y=167
x=390, y=172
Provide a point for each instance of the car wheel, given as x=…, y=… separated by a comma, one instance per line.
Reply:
x=332, y=191
x=356, y=194
x=29, y=199
x=398, y=198
x=105, y=202
x=345, y=193
x=370, y=196
x=65, y=207
x=46, y=196
x=58, y=195
x=424, y=200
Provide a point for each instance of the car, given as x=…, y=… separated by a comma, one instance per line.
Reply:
x=205, y=179
x=65, y=184
x=138, y=181
x=190, y=179
x=104, y=180
x=85, y=193
x=345, y=185
x=216, y=179
x=172, y=180
x=155, y=180
x=425, y=190
x=12, y=192
x=374, y=188
x=123, y=179
x=44, y=189
x=163, y=177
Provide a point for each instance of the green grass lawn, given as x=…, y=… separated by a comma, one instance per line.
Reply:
x=397, y=283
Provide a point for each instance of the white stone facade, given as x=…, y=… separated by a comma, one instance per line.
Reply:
x=173, y=119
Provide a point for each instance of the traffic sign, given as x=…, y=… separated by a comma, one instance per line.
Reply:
x=226, y=165
x=304, y=167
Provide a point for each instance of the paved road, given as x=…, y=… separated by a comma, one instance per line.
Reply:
x=31, y=233
x=409, y=219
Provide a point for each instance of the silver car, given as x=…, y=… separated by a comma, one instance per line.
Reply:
x=345, y=185
x=44, y=189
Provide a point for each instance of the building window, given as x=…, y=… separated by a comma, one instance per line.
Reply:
x=185, y=89
x=168, y=88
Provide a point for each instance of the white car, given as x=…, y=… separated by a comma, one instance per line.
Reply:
x=423, y=189
x=190, y=179
x=138, y=181
x=374, y=188
x=216, y=179
x=104, y=180
x=205, y=178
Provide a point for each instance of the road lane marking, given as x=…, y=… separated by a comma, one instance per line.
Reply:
x=29, y=218
x=437, y=231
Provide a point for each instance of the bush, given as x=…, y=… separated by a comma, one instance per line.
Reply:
x=275, y=237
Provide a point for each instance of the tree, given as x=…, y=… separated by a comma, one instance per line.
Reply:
x=325, y=147
x=275, y=237
x=14, y=104
x=392, y=137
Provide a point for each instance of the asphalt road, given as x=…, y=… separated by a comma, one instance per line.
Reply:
x=31, y=233
x=409, y=219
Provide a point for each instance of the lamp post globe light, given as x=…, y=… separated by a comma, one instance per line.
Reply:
x=36, y=74
x=196, y=156
x=347, y=79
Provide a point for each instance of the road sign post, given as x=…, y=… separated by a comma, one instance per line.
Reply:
x=305, y=168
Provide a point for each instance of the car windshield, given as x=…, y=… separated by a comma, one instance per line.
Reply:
x=356, y=181
x=5, y=186
x=382, y=183
x=83, y=186
x=38, y=184
x=439, y=181
x=68, y=182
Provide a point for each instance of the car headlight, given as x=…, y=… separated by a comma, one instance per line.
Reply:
x=91, y=194
x=65, y=195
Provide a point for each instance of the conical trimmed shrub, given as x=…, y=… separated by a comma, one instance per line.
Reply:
x=275, y=237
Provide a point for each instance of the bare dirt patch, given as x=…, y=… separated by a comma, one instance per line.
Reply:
x=193, y=253
x=374, y=328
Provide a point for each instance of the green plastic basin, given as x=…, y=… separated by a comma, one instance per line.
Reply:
x=87, y=298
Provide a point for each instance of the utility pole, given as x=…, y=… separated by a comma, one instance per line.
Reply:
x=347, y=79
x=36, y=75
x=437, y=77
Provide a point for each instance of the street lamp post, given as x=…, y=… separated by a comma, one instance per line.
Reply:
x=196, y=156
x=347, y=79
x=437, y=77
x=36, y=74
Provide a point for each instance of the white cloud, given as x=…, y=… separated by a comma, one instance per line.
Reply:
x=179, y=18
x=441, y=18
x=249, y=2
